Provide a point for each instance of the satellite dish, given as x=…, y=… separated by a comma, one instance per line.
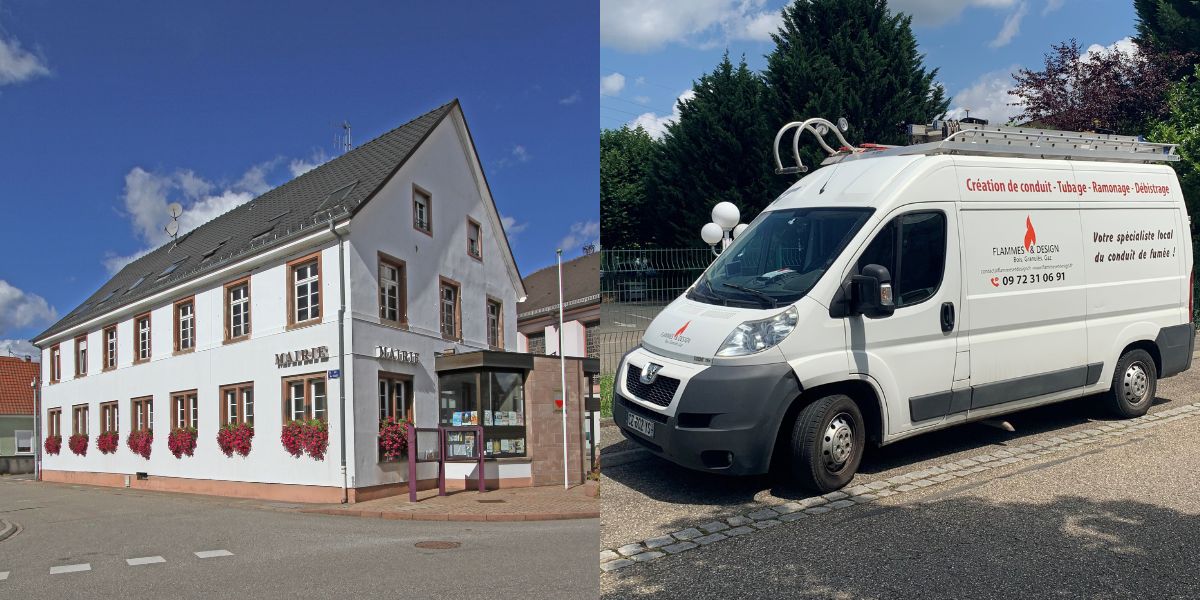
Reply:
x=175, y=209
x=173, y=228
x=843, y=125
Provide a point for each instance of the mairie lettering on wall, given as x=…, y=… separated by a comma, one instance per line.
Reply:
x=306, y=356
x=396, y=354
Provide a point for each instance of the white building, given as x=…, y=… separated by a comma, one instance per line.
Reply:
x=324, y=298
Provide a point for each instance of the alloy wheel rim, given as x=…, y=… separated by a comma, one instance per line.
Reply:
x=837, y=442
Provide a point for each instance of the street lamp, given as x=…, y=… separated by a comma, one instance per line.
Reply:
x=724, y=227
x=37, y=430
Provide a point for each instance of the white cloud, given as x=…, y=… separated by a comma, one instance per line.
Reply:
x=300, y=166
x=656, y=125
x=640, y=80
x=581, y=233
x=519, y=154
x=1052, y=5
x=147, y=195
x=1124, y=45
x=572, y=99
x=511, y=226
x=19, y=309
x=20, y=348
x=987, y=98
x=1011, y=27
x=647, y=25
x=934, y=13
x=612, y=84
x=18, y=64
x=642, y=99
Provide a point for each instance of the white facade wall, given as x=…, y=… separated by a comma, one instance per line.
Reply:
x=444, y=165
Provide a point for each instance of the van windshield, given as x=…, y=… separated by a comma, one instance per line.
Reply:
x=779, y=257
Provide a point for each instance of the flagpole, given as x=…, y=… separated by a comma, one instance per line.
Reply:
x=562, y=362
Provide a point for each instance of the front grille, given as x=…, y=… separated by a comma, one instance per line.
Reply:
x=661, y=392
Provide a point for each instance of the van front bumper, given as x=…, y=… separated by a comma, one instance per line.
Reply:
x=724, y=419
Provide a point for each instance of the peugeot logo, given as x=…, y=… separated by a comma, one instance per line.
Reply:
x=650, y=373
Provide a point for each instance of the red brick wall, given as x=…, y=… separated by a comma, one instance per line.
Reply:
x=544, y=421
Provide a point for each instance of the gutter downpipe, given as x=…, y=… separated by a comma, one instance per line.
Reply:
x=341, y=354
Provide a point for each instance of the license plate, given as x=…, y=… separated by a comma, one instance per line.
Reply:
x=640, y=424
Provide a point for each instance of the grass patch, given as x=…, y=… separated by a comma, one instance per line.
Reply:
x=606, y=395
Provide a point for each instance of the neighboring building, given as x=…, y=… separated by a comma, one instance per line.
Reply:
x=394, y=250
x=537, y=323
x=537, y=316
x=17, y=443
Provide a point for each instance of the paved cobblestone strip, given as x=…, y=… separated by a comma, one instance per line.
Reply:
x=773, y=515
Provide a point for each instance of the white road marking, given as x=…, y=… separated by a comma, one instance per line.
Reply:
x=146, y=560
x=70, y=568
x=213, y=553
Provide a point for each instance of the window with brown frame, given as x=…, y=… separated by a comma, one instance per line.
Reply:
x=54, y=422
x=237, y=310
x=143, y=414
x=304, y=290
x=450, y=309
x=394, y=393
x=185, y=325
x=393, y=291
x=55, y=364
x=108, y=417
x=495, y=323
x=474, y=239
x=184, y=409
x=81, y=355
x=422, y=210
x=237, y=404
x=110, y=347
x=141, y=333
x=304, y=397
x=79, y=419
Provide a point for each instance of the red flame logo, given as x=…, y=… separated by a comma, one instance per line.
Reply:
x=682, y=329
x=1030, y=235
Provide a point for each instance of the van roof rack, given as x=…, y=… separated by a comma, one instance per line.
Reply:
x=980, y=139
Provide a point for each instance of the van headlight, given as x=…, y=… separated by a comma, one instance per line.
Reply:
x=755, y=336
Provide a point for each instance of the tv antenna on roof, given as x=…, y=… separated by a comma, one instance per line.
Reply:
x=172, y=228
x=343, y=141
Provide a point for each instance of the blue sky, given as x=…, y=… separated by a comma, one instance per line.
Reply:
x=652, y=50
x=105, y=112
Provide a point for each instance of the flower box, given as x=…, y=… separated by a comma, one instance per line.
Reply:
x=78, y=443
x=235, y=438
x=140, y=441
x=309, y=437
x=107, y=442
x=182, y=440
x=393, y=438
x=53, y=444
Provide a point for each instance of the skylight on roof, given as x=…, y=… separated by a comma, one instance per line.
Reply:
x=136, y=283
x=258, y=236
x=280, y=215
x=109, y=296
x=336, y=196
x=171, y=268
x=211, y=251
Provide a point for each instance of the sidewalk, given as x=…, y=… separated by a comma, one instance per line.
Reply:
x=544, y=503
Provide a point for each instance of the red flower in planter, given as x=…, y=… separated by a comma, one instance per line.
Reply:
x=78, y=443
x=53, y=444
x=140, y=441
x=305, y=437
x=107, y=442
x=235, y=438
x=393, y=437
x=182, y=440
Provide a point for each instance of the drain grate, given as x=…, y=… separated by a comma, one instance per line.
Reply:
x=437, y=545
x=494, y=501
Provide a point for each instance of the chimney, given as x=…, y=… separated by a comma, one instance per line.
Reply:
x=27, y=358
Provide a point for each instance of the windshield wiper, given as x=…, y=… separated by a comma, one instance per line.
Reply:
x=771, y=303
x=711, y=294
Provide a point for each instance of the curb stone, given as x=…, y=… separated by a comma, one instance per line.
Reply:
x=767, y=517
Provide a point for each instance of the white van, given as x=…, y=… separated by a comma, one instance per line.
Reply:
x=902, y=290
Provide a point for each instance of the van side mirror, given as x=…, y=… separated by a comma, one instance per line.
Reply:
x=871, y=292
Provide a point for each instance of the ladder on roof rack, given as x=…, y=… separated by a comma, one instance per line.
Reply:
x=985, y=140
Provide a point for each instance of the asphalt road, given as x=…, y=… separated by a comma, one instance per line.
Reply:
x=1114, y=519
x=272, y=553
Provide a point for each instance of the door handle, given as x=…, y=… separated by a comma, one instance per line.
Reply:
x=947, y=316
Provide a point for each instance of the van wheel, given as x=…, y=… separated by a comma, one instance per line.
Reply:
x=1134, y=384
x=827, y=443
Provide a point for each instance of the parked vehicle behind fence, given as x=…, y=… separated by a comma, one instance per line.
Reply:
x=901, y=290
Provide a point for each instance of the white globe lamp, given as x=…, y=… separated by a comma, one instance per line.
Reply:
x=711, y=233
x=739, y=229
x=726, y=215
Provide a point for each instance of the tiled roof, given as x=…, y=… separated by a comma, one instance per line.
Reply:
x=334, y=190
x=16, y=397
x=581, y=280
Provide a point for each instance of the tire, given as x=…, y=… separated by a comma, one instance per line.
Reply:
x=1134, y=384
x=827, y=443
